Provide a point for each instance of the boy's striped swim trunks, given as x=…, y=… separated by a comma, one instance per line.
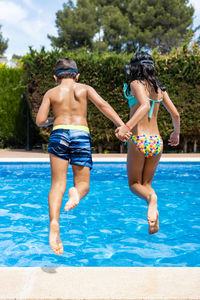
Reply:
x=73, y=143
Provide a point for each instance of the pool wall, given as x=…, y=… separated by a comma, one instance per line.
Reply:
x=98, y=159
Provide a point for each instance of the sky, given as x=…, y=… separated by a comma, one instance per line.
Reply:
x=27, y=22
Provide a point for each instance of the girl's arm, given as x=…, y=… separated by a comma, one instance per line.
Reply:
x=107, y=110
x=144, y=106
x=42, y=115
x=174, y=137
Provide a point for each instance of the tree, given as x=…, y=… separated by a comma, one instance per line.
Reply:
x=197, y=30
x=3, y=43
x=115, y=28
x=76, y=25
x=123, y=25
x=159, y=23
x=16, y=56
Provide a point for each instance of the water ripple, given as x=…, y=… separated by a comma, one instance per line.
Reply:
x=109, y=226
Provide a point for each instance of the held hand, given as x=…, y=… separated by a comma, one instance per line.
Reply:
x=49, y=121
x=174, y=139
x=125, y=139
x=123, y=133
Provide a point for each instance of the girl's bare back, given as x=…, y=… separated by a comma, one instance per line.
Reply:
x=147, y=125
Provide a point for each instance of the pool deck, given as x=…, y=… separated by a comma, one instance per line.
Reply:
x=97, y=282
x=100, y=283
x=39, y=156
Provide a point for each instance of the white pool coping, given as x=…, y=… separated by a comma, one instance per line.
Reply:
x=96, y=159
x=99, y=283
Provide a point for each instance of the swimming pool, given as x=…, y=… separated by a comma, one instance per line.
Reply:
x=109, y=227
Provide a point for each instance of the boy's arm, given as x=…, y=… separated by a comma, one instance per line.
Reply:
x=42, y=115
x=104, y=107
x=174, y=137
x=49, y=121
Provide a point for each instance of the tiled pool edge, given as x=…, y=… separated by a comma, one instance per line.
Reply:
x=100, y=283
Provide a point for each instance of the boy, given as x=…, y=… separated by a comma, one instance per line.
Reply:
x=70, y=139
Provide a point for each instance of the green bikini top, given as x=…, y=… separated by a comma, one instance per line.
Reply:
x=133, y=100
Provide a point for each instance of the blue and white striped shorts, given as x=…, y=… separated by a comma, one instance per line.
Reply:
x=73, y=145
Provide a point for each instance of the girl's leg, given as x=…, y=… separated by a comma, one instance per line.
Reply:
x=81, y=186
x=58, y=185
x=137, y=167
x=148, y=173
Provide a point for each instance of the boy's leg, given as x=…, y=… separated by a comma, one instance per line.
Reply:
x=58, y=185
x=81, y=186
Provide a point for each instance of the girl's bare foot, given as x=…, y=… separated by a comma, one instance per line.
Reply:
x=73, y=199
x=54, y=238
x=152, y=214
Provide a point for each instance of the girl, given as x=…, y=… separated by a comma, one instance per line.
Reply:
x=144, y=94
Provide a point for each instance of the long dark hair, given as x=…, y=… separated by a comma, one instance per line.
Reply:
x=142, y=68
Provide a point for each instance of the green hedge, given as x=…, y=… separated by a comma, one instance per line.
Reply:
x=13, y=109
x=180, y=72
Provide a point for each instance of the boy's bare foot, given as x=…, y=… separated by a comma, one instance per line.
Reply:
x=152, y=215
x=54, y=238
x=73, y=199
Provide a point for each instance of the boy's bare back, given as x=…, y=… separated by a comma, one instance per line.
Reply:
x=69, y=100
x=69, y=103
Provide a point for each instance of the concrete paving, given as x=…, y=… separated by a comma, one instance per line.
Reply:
x=99, y=283
x=38, y=155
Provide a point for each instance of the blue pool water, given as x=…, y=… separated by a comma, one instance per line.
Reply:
x=109, y=227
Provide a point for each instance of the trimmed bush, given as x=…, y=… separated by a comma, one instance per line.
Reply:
x=180, y=72
x=13, y=109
